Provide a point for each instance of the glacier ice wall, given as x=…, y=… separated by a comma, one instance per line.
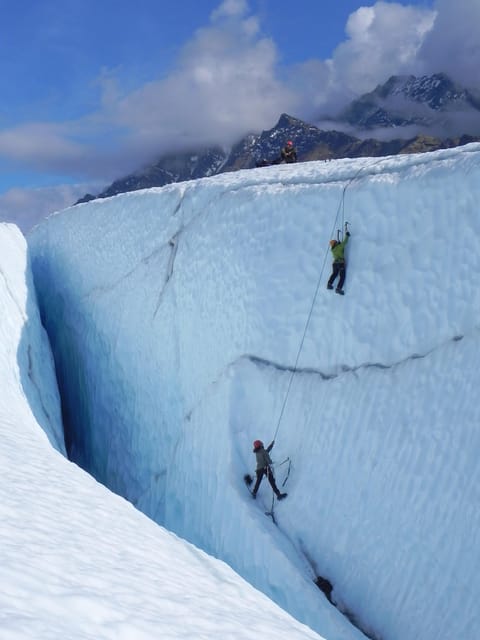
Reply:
x=175, y=317
x=77, y=561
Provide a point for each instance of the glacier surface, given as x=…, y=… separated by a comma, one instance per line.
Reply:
x=176, y=317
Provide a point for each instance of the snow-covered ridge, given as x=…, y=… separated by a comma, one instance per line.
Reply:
x=24, y=348
x=175, y=317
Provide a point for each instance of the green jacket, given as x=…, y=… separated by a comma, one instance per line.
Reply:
x=339, y=249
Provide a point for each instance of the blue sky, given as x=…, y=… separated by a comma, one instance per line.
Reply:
x=92, y=90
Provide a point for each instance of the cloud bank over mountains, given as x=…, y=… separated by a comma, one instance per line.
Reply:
x=27, y=207
x=229, y=79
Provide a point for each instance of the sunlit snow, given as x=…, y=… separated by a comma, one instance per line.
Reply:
x=176, y=316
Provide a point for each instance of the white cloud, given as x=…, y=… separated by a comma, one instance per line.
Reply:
x=389, y=38
x=453, y=44
x=228, y=81
x=44, y=141
x=230, y=9
x=383, y=40
x=224, y=85
x=90, y=148
x=27, y=207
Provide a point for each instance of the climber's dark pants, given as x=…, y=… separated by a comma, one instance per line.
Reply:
x=266, y=471
x=338, y=269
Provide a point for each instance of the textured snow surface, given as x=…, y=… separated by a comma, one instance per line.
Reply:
x=176, y=316
x=76, y=561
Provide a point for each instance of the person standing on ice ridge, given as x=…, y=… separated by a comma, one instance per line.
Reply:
x=339, y=267
x=264, y=468
x=288, y=153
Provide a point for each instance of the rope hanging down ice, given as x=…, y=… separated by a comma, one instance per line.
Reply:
x=340, y=208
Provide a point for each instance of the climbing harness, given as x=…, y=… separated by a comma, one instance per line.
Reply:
x=249, y=480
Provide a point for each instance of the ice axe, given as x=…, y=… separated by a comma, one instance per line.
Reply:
x=339, y=231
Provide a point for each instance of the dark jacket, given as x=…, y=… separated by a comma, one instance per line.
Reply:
x=289, y=154
x=262, y=456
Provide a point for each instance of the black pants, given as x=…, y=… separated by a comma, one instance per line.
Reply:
x=266, y=471
x=338, y=269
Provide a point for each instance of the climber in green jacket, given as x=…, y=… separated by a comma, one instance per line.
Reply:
x=339, y=266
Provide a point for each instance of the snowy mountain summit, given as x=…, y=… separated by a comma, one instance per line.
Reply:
x=432, y=106
x=408, y=100
x=190, y=320
x=438, y=92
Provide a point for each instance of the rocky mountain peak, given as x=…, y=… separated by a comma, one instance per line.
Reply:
x=401, y=101
x=437, y=91
x=411, y=100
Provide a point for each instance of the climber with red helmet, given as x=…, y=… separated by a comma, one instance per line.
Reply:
x=339, y=267
x=288, y=153
x=264, y=468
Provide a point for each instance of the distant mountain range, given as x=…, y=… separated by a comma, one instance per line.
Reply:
x=403, y=101
x=432, y=101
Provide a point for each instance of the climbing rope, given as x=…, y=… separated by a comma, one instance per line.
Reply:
x=340, y=208
x=294, y=370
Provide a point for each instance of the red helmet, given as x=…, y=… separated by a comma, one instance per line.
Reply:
x=289, y=143
x=257, y=444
